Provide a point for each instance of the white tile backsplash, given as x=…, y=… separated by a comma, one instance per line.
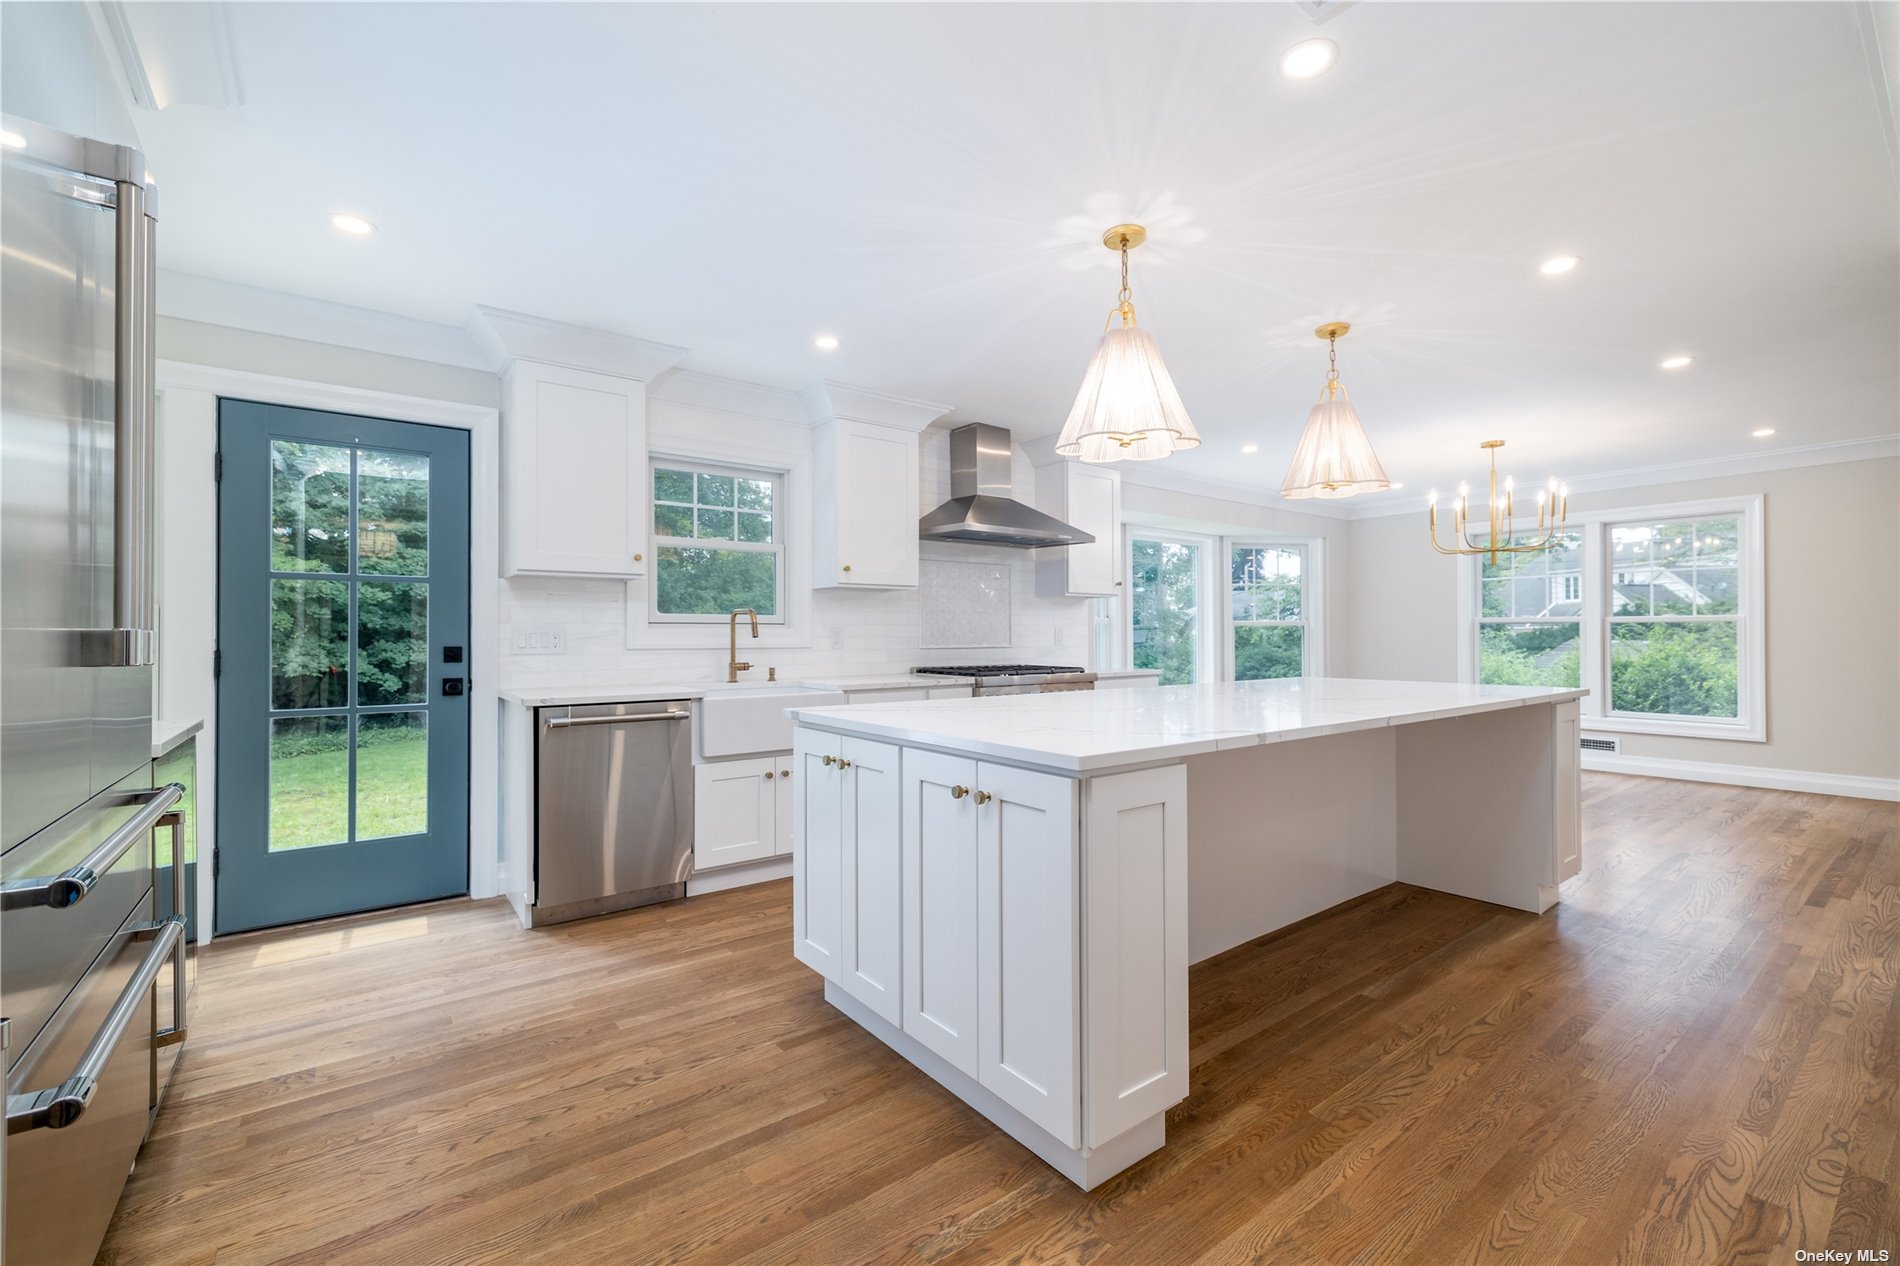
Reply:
x=854, y=631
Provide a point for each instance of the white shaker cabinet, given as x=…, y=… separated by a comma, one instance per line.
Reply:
x=574, y=473
x=845, y=866
x=1090, y=498
x=741, y=810
x=866, y=510
x=990, y=926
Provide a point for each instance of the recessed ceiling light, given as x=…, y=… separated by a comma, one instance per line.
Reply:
x=1249, y=448
x=12, y=140
x=1558, y=265
x=1762, y=432
x=1678, y=362
x=355, y=225
x=826, y=342
x=1309, y=59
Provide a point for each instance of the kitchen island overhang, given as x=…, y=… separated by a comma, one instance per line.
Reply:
x=1009, y=891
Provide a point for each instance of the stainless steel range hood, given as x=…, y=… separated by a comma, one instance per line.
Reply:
x=981, y=510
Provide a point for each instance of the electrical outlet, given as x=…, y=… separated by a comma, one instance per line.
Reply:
x=541, y=641
x=1058, y=635
x=837, y=638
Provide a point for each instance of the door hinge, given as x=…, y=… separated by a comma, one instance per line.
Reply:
x=217, y=466
x=217, y=664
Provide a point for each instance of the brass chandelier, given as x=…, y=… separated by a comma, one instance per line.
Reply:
x=1553, y=508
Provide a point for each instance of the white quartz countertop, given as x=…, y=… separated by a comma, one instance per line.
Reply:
x=887, y=681
x=1083, y=731
x=567, y=696
x=168, y=734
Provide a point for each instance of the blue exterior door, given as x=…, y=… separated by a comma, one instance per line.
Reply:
x=343, y=583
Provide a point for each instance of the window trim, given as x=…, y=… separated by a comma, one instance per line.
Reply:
x=778, y=547
x=1751, y=704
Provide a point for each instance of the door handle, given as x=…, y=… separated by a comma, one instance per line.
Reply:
x=69, y=887
x=59, y=1106
x=562, y=723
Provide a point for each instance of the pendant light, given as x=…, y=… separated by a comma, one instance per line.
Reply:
x=1334, y=459
x=1128, y=409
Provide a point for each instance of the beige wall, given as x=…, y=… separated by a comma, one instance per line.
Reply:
x=1194, y=512
x=1832, y=574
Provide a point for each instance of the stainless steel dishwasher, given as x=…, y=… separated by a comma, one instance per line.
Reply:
x=613, y=807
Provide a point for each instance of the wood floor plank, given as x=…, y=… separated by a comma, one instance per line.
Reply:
x=1693, y=1059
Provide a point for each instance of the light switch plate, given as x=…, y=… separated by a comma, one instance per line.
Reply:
x=541, y=641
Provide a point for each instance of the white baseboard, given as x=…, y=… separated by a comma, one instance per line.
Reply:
x=1746, y=776
x=739, y=876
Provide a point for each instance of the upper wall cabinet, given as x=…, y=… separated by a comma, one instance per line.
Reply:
x=864, y=456
x=1088, y=497
x=574, y=498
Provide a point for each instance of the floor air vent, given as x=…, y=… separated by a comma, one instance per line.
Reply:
x=1592, y=744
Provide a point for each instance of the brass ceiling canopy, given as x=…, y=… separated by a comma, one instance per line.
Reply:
x=1124, y=237
x=1334, y=329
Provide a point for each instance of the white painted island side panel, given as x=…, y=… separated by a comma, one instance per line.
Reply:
x=1028, y=977
x=873, y=887
x=940, y=905
x=818, y=854
x=1135, y=954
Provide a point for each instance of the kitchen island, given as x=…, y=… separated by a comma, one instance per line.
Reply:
x=1009, y=891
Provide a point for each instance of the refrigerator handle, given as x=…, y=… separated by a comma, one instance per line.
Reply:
x=69, y=887
x=59, y=1106
x=134, y=559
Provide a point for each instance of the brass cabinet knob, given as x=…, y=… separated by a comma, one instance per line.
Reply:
x=784, y=773
x=843, y=764
x=639, y=558
x=768, y=775
x=847, y=566
x=983, y=797
x=1118, y=584
x=831, y=760
x=957, y=793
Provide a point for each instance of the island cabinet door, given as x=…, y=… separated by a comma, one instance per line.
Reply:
x=1029, y=1004
x=818, y=852
x=940, y=900
x=1135, y=948
x=873, y=887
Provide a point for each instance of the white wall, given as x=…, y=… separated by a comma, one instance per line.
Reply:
x=1833, y=614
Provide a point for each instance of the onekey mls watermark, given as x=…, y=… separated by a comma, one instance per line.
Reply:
x=1840, y=1255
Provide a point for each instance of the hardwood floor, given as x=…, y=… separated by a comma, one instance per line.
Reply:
x=1692, y=1059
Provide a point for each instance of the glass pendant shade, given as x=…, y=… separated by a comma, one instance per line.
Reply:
x=1128, y=409
x=1334, y=459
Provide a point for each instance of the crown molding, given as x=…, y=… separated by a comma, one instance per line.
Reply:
x=209, y=301
x=827, y=400
x=508, y=336
x=1708, y=468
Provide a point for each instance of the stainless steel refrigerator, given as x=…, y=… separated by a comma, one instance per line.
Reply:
x=92, y=980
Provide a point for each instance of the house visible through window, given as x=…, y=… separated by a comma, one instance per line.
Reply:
x=1651, y=610
x=718, y=542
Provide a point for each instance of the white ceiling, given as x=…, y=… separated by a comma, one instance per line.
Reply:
x=929, y=182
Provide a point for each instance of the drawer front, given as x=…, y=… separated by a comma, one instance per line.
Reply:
x=63, y=1184
x=44, y=950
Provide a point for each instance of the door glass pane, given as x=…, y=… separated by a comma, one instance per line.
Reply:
x=1529, y=654
x=392, y=516
x=309, y=781
x=392, y=774
x=1164, y=609
x=310, y=649
x=392, y=642
x=310, y=507
x=1667, y=669
x=1263, y=651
